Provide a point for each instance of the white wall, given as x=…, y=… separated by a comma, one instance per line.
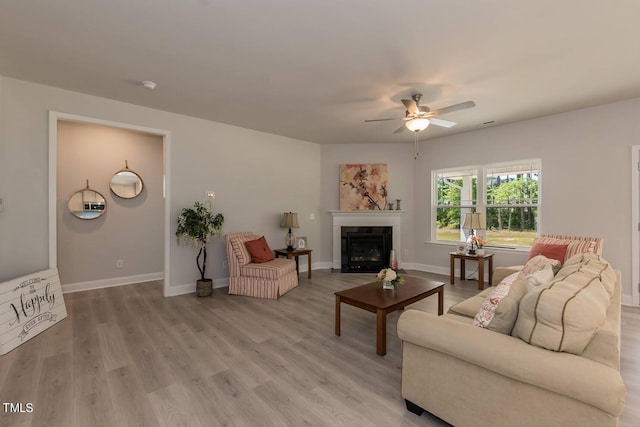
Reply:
x=400, y=165
x=586, y=177
x=256, y=176
x=131, y=230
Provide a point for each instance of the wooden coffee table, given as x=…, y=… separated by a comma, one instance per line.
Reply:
x=373, y=298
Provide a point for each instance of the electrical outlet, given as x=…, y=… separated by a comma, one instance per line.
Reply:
x=119, y=263
x=1, y=204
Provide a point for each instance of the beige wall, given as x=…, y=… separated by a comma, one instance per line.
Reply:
x=586, y=177
x=130, y=230
x=256, y=177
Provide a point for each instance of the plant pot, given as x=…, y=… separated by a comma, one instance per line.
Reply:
x=204, y=288
x=480, y=251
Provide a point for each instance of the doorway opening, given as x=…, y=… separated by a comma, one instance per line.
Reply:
x=55, y=120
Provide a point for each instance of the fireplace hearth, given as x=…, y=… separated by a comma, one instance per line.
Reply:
x=365, y=249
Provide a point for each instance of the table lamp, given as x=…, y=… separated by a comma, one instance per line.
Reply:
x=289, y=220
x=473, y=221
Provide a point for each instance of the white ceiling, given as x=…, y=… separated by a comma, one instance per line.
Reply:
x=315, y=70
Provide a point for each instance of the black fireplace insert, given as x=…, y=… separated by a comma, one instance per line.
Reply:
x=365, y=249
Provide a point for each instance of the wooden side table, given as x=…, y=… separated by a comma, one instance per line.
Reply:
x=479, y=258
x=295, y=254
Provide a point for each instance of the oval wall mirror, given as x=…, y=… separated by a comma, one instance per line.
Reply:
x=126, y=184
x=87, y=203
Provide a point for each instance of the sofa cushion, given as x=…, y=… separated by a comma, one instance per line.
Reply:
x=470, y=306
x=552, y=251
x=565, y=314
x=259, y=250
x=499, y=309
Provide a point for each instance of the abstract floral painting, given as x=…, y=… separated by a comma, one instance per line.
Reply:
x=363, y=187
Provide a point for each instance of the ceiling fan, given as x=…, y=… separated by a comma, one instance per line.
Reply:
x=418, y=117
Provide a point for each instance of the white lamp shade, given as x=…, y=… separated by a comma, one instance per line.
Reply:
x=417, y=125
x=474, y=221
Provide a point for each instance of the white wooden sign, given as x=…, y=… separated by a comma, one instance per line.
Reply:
x=29, y=305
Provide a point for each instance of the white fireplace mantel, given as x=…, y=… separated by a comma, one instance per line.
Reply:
x=364, y=219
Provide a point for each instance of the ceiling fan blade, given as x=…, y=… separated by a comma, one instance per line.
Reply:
x=441, y=122
x=452, y=108
x=382, y=120
x=401, y=129
x=410, y=105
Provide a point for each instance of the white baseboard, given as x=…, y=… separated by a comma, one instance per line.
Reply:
x=627, y=299
x=108, y=283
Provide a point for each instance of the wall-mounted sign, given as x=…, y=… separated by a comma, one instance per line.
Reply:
x=29, y=305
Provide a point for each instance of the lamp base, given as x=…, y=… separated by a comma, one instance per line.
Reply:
x=290, y=248
x=471, y=252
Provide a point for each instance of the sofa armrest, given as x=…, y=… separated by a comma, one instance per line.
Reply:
x=501, y=272
x=564, y=373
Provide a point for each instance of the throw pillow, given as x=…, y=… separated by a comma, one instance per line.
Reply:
x=540, y=262
x=499, y=310
x=549, y=250
x=539, y=277
x=259, y=250
x=565, y=314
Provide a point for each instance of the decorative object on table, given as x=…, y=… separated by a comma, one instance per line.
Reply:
x=87, y=203
x=397, y=204
x=302, y=242
x=126, y=184
x=390, y=206
x=363, y=187
x=393, y=260
x=198, y=225
x=290, y=220
x=473, y=221
x=461, y=248
x=479, y=242
x=389, y=278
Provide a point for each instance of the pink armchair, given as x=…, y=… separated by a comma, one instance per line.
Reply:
x=270, y=279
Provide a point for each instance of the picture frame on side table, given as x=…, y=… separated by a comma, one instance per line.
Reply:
x=301, y=242
x=461, y=248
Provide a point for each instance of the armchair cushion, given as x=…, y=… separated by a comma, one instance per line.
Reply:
x=259, y=250
x=240, y=250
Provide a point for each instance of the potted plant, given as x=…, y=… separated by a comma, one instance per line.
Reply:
x=197, y=225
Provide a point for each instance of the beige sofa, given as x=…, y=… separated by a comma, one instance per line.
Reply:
x=470, y=376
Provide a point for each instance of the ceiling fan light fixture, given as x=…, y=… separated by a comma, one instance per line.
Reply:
x=417, y=125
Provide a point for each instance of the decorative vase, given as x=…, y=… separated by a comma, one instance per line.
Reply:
x=387, y=284
x=390, y=206
x=204, y=288
x=480, y=251
x=397, y=204
x=393, y=261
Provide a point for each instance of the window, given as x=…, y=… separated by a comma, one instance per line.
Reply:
x=507, y=194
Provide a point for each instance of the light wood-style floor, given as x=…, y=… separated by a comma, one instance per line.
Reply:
x=126, y=356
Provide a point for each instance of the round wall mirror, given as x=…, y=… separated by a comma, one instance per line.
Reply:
x=87, y=203
x=126, y=184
